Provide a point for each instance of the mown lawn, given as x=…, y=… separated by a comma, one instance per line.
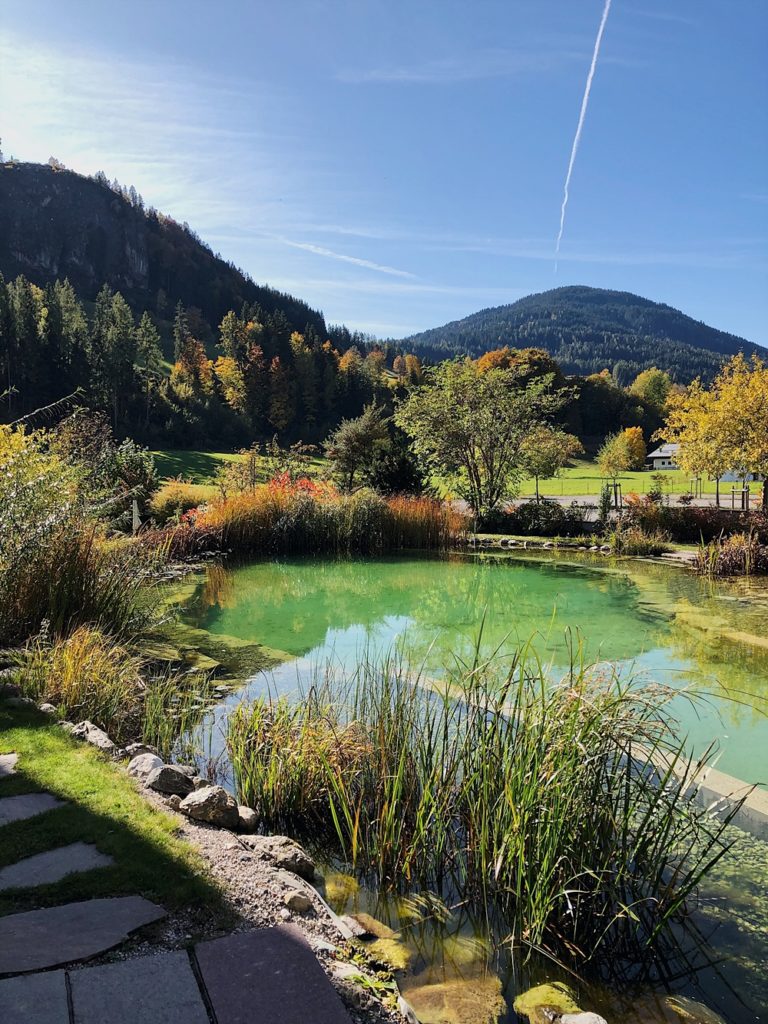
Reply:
x=102, y=807
x=199, y=467
x=584, y=477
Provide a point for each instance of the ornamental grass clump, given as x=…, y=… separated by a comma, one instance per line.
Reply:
x=294, y=516
x=568, y=809
x=739, y=555
x=56, y=564
x=90, y=675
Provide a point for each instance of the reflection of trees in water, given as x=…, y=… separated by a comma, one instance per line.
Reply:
x=731, y=670
x=218, y=588
x=619, y=612
x=292, y=605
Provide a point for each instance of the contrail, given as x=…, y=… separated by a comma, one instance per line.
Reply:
x=580, y=125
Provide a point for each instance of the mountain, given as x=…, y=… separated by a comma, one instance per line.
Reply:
x=55, y=223
x=589, y=329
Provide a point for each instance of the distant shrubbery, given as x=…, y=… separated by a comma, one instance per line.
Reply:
x=176, y=497
x=690, y=524
x=541, y=519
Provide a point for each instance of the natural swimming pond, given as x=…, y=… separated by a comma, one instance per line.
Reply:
x=650, y=620
x=655, y=622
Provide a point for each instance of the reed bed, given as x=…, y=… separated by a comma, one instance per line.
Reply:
x=542, y=802
x=90, y=675
x=739, y=555
x=308, y=517
x=75, y=576
x=633, y=540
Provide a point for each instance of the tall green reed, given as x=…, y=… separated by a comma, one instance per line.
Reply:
x=569, y=807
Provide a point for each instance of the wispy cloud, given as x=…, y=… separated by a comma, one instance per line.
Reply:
x=157, y=125
x=320, y=250
x=466, y=67
x=669, y=16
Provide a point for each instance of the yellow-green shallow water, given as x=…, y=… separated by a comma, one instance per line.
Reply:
x=650, y=620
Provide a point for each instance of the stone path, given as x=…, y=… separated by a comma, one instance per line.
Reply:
x=161, y=989
x=17, y=808
x=75, y=931
x=35, y=999
x=52, y=866
x=266, y=976
x=269, y=975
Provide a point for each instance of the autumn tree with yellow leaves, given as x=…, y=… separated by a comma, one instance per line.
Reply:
x=723, y=429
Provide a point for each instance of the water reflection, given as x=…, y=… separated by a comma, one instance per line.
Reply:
x=654, y=622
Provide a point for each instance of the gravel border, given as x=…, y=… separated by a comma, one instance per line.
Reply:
x=254, y=892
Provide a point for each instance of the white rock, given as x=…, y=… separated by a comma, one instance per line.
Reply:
x=166, y=778
x=48, y=709
x=247, y=819
x=134, y=749
x=298, y=902
x=174, y=801
x=212, y=804
x=142, y=766
x=94, y=735
x=582, y=1018
x=285, y=853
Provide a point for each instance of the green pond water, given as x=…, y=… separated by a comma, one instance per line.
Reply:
x=648, y=620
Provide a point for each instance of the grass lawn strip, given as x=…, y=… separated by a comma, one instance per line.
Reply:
x=103, y=808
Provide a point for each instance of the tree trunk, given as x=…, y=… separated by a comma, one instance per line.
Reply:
x=717, y=491
x=765, y=494
x=537, y=490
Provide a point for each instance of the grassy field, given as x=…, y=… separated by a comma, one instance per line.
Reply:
x=102, y=807
x=200, y=467
x=195, y=466
x=583, y=477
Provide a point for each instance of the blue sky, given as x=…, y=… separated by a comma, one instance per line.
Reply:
x=401, y=164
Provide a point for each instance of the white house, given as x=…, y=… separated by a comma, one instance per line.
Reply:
x=664, y=457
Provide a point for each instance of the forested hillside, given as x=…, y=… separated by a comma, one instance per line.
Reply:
x=120, y=304
x=55, y=223
x=588, y=330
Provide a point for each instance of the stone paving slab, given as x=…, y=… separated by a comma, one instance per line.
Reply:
x=268, y=975
x=17, y=808
x=150, y=989
x=51, y=866
x=35, y=999
x=75, y=931
x=8, y=764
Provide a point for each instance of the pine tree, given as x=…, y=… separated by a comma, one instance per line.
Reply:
x=149, y=359
x=181, y=332
x=120, y=358
x=282, y=395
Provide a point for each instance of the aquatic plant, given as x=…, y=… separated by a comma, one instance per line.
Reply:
x=90, y=675
x=632, y=540
x=294, y=516
x=77, y=576
x=739, y=555
x=567, y=808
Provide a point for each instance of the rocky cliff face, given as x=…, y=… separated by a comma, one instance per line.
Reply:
x=55, y=223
